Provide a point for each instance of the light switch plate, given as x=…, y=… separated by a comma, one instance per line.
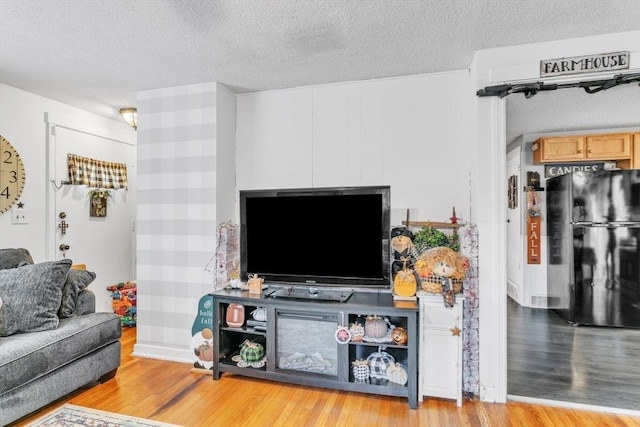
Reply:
x=19, y=216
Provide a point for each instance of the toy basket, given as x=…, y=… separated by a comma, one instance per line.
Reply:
x=124, y=302
x=433, y=284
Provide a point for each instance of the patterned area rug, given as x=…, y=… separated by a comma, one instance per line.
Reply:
x=78, y=416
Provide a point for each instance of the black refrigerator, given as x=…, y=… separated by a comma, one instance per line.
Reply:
x=593, y=234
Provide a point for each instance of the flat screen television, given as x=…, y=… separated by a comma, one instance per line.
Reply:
x=316, y=236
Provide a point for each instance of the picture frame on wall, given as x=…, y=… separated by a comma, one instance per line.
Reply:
x=512, y=192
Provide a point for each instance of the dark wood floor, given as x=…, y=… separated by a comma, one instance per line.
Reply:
x=549, y=359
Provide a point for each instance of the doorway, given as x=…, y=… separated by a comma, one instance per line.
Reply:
x=104, y=244
x=564, y=111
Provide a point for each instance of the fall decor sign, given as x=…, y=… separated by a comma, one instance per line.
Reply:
x=533, y=227
x=98, y=202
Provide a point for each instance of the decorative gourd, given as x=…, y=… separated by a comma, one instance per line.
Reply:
x=251, y=351
x=405, y=283
x=379, y=362
x=399, y=335
x=357, y=332
x=375, y=326
x=260, y=314
x=397, y=374
x=360, y=369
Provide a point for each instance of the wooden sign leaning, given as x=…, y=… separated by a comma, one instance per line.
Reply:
x=533, y=227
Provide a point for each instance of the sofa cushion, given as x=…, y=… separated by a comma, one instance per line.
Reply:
x=77, y=281
x=26, y=357
x=12, y=257
x=31, y=296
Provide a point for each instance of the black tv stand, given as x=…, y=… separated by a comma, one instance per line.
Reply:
x=296, y=331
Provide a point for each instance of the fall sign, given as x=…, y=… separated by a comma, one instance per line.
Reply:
x=533, y=240
x=533, y=227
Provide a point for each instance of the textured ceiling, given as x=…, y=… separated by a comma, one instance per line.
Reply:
x=96, y=55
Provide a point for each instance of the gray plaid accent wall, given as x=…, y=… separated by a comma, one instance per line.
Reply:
x=176, y=214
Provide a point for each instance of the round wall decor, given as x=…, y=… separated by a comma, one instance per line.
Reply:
x=12, y=175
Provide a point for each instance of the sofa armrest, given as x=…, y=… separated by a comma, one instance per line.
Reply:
x=86, y=303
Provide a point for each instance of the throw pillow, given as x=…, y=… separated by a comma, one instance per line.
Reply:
x=12, y=257
x=77, y=281
x=31, y=296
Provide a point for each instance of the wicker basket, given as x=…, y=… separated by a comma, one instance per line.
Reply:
x=433, y=284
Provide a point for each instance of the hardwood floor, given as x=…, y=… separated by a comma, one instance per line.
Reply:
x=170, y=392
x=550, y=359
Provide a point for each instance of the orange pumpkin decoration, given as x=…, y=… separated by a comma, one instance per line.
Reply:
x=405, y=283
x=399, y=335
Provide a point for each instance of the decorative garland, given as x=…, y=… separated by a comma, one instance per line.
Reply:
x=468, y=234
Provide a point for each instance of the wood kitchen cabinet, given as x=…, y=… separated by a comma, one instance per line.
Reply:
x=617, y=147
x=635, y=159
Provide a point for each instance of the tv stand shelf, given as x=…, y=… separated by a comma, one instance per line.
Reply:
x=301, y=347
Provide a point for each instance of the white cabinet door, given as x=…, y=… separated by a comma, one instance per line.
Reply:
x=440, y=356
x=440, y=362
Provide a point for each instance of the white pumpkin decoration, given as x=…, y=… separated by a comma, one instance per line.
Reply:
x=260, y=314
x=397, y=374
x=379, y=362
x=376, y=326
x=360, y=369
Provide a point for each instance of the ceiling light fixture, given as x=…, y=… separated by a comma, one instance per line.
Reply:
x=130, y=115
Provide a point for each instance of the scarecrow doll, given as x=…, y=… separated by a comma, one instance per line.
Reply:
x=403, y=249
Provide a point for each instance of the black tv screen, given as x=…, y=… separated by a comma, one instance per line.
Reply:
x=316, y=236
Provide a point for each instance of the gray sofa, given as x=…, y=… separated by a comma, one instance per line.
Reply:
x=49, y=351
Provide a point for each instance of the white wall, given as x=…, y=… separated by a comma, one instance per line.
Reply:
x=25, y=120
x=412, y=133
x=493, y=66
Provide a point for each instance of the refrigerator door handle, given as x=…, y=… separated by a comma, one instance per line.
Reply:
x=607, y=224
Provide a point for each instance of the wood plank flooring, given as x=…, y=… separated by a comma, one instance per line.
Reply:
x=550, y=359
x=170, y=392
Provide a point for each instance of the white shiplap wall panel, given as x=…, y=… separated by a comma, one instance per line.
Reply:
x=274, y=149
x=411, y=133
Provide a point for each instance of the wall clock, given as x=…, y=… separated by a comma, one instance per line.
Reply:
x=12, y=175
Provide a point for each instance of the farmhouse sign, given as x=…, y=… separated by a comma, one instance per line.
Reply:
x=584, y=64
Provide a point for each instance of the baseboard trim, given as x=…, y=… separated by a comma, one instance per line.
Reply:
x=572, y=405
x=162, y=353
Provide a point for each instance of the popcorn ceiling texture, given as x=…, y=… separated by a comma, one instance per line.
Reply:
x=95, y=55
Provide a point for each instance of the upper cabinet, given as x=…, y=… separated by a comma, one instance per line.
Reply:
x=615, y=146
x=618, y=147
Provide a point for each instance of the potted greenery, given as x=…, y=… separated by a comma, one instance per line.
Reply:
x=429, y=237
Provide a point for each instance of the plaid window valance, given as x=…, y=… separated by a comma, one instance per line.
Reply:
x=96, y=173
